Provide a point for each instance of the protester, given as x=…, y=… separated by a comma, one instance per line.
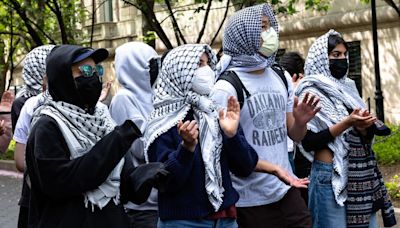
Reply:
x=33, y=72
x=74, y=153
x=134, y=102
x=199, y=146
x=346, y=186
x=268, y=115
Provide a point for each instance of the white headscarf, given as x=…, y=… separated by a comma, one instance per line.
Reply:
x=335, y=97
x=174, y=98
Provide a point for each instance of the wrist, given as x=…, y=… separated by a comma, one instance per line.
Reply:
x=189, y=146
x=230, y=134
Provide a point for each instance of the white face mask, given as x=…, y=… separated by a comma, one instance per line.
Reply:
x=203, y=80
x=270, y=42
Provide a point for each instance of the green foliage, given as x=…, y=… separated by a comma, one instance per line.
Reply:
x=387, y=149
x=9, y=154
x=149, y=37
x=393, y=187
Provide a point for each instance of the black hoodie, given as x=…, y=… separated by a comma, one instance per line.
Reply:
x=60, y=81
x=57, y=182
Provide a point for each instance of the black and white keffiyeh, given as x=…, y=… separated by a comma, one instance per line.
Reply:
x=34, y=70
x=242, y=40
x=336, y=97
x=174, y=98
x=81, y=132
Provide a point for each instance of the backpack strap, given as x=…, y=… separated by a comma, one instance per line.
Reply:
x=281, y=73
x=234, y=80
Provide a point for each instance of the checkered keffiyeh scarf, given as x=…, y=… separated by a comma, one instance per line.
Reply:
x=335, y=97
x=242, y=40
x=34, y=70
x=81, y=132
x=174, y=98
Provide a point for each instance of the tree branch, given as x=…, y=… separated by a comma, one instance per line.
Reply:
x=21, y=12
x=174, y=22
x=57, y=11
x=205, y=21
x=222, y=23
x=153, y=22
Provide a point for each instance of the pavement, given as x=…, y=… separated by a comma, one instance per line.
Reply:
x=10, y=191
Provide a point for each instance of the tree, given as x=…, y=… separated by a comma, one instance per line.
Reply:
x=26, y=24
x=146, y=7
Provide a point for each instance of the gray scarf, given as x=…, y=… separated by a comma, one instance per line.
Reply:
x=174, y=98
x=335, y=97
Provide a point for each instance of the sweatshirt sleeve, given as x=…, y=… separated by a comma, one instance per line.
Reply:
x=167, y=148
x=60, y=177
x=241, y=156
x=317, y=141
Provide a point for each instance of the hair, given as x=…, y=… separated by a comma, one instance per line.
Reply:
x=335, y=40
x=292, y=62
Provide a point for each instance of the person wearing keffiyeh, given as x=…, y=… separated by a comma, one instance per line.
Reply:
x=346, y=188
x=75, y=152
x=268, y=197
x=199, y=145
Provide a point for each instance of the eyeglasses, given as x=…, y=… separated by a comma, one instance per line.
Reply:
x=88, y=70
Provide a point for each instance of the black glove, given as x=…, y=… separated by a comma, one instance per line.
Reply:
x=143, y=178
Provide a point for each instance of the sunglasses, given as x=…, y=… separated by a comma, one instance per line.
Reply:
x=88, y=70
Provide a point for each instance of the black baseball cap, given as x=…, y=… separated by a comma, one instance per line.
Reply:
x=97, y=55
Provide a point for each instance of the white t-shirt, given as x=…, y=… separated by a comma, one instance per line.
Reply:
x=23, y=125
x=263, y=120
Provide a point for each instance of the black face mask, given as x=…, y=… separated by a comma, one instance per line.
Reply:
x=153, y=65
x=338, y=67
x=89, y=90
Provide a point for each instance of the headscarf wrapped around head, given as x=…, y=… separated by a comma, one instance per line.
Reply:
x=174, y=98
x=242, y=39
x=34, y=71
x=336, y=98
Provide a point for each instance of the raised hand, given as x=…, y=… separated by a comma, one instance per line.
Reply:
x=189, y=131
x=305, y=110
x=361, y=119
x=229, y=120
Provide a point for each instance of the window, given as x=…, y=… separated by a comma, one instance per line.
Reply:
x=355, y=64
x=108, y=10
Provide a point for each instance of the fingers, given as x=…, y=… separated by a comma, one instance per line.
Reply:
x=221, y=114
x=295, y=102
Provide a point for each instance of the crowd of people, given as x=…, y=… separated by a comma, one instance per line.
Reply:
x=190, y=141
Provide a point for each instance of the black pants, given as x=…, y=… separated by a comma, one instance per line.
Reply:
x=145, y=219
x=290, y=211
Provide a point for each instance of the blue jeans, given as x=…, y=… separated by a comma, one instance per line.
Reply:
x=325, y=212
x=199, y=223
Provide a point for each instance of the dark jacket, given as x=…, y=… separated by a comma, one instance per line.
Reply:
x=185, y=196
x=57, y=182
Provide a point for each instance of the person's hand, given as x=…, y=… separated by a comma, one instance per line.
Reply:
x=291, y=180
x=229, y=120
x=105, y=91
x=2, y=127
x=296, y=78
x=189, y=131
x=360, y=119
x=6, y=101
x=306, y=109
